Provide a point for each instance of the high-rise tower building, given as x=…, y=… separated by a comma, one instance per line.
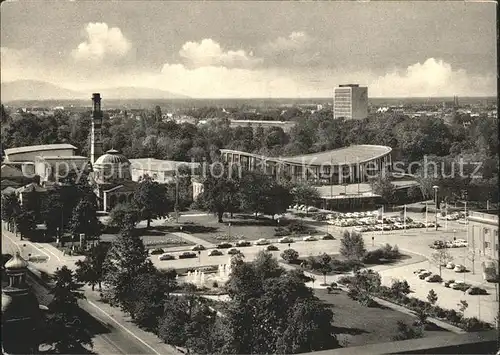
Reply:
x=95, y=135
x=350, y=102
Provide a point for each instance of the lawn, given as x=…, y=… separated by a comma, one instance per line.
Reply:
x=239, y=227
x=155, y=237
x=358, y=325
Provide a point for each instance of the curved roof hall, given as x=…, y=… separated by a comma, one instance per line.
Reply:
x=37, y=148
x=354, y=154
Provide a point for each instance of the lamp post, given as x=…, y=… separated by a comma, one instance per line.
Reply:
x=176, y=198
x=229, y=230
x=436, y=188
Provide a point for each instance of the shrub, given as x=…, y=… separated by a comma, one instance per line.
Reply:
x=280, y=232
x=406, y=332
x=345, y=280
x=297, y=227
x=439, y=312
x=353, y=293
x=453, y=316
x=400, y=288
x=157, y=251
x=474, y=325
x=290, y=255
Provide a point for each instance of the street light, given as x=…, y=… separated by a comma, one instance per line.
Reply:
x=436, y=188
x=229, y=225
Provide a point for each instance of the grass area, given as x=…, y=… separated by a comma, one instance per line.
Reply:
x=358, y=325
x=241, y=226
x=340, y=265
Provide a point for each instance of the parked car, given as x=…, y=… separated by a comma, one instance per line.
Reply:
x=309, y=238
x=418, y=271
x=460, y=268
x=460, y=285
x=448, y=283
x=450, y=244
x=224, y=246
x=198, y=247
x=243, y=243
x=187, y=255
x=272, y=248
x=438, y=244
x=328, y=237
x=424, y=274
x=164, y=257
x=434, y=278
x=312, y=209
x=476, y=291
x=215, y=252
x=461, y=243
x=286, y=240
x=262, y=241
x=156, y=251
x=450, y=266
x=233, y=251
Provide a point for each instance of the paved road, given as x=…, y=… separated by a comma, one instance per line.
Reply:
x=114, y=331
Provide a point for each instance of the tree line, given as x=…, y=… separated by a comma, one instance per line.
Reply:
x=412, y=139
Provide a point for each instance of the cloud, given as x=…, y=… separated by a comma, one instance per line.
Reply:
x=297, y=49
x=209, y=53
x=101, y=42
x=434, y=77
x=222, y=82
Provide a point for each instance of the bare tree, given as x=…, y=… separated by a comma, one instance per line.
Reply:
x=440, y=258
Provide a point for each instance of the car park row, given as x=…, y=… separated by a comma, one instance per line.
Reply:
x=428, y=276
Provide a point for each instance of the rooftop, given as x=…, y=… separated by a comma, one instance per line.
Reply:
x=342, y=156
x=35, y=148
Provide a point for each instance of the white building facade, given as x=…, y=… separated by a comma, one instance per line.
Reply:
x=350, y=102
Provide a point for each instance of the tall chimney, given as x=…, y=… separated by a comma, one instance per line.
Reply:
x=95, y=134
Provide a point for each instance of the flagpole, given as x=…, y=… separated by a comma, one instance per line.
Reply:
x=382, y=231
x=446, y=216
x=426, y=219
x=404, y=219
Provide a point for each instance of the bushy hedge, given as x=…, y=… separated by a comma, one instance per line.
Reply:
x=448, y=315
x=386, y=252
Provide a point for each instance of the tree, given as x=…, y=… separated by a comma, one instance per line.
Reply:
x=305, y=194
x=352, y=246
x=90, y=270
x=325, y=265
x=151, y=199
x=52, y=212
x=382, y=186
x=126, y=259
x=400, y=288
x=220, y=191
x=441, y=257
x=146, y=299
x=25, y=223
x=125, y=216
x=309, y=329
x=10, y=208
x=462, y=306
x=266, y=266
x=290, y=255
x=66, y=291
x=406, y=332
x=65, y=332
x=432, y=297
x=84, y=219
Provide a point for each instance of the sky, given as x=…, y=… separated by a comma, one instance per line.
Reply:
x=254, y=49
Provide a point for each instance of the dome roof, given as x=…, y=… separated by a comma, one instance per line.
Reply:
x=112, y=156
x=16, y=263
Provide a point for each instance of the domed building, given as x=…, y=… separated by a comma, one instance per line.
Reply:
x=21, y=314
x=111, y=168
x=113, y=180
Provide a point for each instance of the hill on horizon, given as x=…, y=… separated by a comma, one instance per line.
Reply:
x=24, y=90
